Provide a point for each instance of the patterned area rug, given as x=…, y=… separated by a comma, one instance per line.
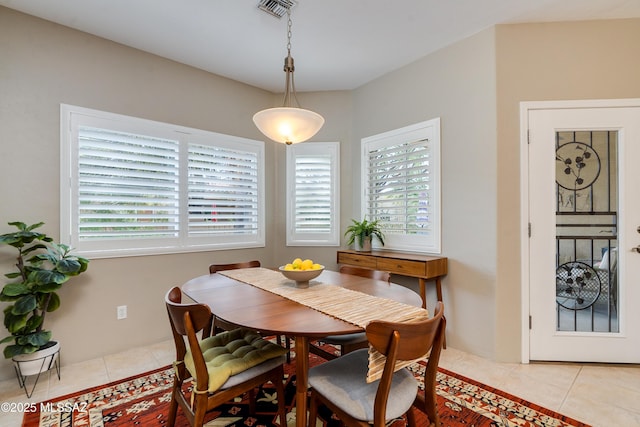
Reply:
x=144, y=401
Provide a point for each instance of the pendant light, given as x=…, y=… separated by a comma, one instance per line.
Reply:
x=288, y=124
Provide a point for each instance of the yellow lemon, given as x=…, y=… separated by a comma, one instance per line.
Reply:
x=316, y=267
x=288, y=267
x=306, y=264
x=297, y=263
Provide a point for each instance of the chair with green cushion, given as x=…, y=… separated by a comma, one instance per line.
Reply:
x=341, y=384
x=350, y=342
x=222, y=366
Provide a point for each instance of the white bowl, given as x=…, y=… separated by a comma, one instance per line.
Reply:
x=301, y=277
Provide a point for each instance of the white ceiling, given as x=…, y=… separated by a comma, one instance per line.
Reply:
x=337, y=44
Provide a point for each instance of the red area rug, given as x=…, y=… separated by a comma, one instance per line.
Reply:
x=144, y=401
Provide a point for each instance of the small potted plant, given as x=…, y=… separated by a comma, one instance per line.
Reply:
x=43, y=266
x=360, y=234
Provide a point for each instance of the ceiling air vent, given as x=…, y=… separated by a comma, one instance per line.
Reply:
x=277, y=8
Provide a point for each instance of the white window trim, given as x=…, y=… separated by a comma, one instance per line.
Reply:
x=313, y=239
x=430, y=130
x=70, y=114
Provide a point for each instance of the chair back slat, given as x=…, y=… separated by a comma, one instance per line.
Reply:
x=417, y=338
x=214, y=268
x=200, y=313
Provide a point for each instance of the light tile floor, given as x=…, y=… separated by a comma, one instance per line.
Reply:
x=600, y=395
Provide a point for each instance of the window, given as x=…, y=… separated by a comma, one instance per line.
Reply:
x=313, y=194
x=134, y=187
x=401, y=185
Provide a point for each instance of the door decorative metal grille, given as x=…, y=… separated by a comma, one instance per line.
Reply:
x=586, y=231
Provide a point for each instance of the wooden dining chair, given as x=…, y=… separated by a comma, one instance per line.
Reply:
x=221, y=325
x=341, y=384
x=222, y=366
x=350, y=342
x=214, y=268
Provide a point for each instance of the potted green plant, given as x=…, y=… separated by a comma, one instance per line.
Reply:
x=43, y=266
x=360, y=234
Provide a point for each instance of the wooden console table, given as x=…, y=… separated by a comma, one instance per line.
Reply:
x=424, y=267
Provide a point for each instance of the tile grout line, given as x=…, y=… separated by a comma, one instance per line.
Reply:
x=566, y=395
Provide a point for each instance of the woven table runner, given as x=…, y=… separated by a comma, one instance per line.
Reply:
x=354, y=307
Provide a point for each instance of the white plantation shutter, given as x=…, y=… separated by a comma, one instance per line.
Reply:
x=127, y=186
x=134, y=187
x=313, y=194
x=223, y=191
x=398, y=187
x=401, y=186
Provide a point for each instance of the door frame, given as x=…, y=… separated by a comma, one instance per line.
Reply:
x=525, y=107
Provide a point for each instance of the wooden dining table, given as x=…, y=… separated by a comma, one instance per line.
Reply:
x=249, y=306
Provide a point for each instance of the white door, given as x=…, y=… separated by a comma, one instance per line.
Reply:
x=584, y=215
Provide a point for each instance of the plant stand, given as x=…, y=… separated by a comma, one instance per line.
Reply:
x=36, y=365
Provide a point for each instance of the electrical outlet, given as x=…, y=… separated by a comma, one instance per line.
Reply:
x=122, y=312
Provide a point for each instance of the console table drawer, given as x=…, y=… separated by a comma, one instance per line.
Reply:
x=437, y=267
x=402, y=267
x=357, y=260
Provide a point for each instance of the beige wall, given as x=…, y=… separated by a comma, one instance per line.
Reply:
x=42, y=65
x=554, y=61
x=458, y=85
x=474, y=86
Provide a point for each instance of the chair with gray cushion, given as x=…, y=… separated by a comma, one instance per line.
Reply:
x=222, y=366
x=341, y=384
x=348, y=343
x=609, y=264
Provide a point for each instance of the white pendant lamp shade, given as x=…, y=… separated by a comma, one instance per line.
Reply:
x=288, y=125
